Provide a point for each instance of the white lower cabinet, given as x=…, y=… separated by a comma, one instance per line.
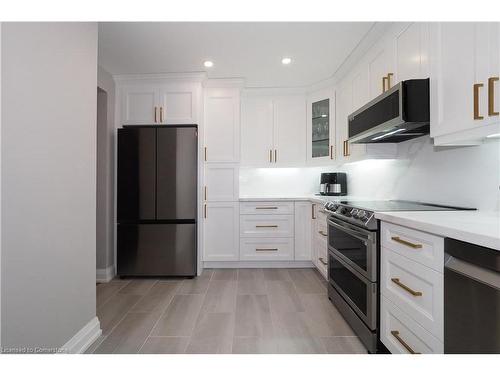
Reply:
x=261, y=249
x=303, y=230
x=412, y=289
x=221, y=231
x=266, y=226
x=319, y=253
x=401, y=334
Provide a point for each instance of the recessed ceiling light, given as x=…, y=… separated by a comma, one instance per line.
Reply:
x=208, y=64
x=493, y=135
x=286, y=60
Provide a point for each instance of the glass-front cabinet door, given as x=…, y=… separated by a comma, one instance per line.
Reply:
x=320, y=129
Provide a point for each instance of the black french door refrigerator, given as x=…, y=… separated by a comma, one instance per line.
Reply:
x=157, y=200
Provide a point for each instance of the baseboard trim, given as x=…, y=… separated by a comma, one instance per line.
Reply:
x=83, y=338
x=104, y=275
x=259, y=264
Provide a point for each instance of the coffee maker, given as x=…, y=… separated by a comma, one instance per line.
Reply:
x=333, y=184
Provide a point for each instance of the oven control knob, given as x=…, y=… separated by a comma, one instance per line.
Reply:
x=345, y=211
x=362, y=215
x=354, y=212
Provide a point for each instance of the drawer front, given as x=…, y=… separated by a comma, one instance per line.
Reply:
x=267, y=208
x=401, y=334
x=421, y=247
x=415, y=289
x=321, y=256
x=321, y=231
x=266, y=225
x=266, y=249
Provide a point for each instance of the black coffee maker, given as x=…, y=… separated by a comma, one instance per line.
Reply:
x=333, y=184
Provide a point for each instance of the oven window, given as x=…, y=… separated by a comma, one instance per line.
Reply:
x=351, y=247
x=349, y=283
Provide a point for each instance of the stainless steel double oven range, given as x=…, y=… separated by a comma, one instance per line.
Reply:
x=354, y=262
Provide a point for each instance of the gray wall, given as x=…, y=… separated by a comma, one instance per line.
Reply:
x=48, y=179
x=105, y=172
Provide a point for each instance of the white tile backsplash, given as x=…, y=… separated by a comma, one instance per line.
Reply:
x=465, y=176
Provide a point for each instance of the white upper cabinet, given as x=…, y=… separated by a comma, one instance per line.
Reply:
x=321, y=148
x=157, y=101
x=256, y=131
x=289, y=130
x=412, y=52
x=139, y=105
x=464, y=88
x=222, y=125
x=273, y=130
x=381, y=67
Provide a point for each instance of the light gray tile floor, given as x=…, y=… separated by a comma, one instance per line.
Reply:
x=244, y=311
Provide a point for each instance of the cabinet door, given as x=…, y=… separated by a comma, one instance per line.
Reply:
x=136, y=175
x=290, y=130
x=257, y=131
x=412, y=50
x=139, y=105
x=221, y=231
x=178, y=104
x=344, y=103
x=222, y=125
x=303, y=225
x=380, y=65
x=493, y=76
x=453, y=78
x=321, y=127
x=221, y=183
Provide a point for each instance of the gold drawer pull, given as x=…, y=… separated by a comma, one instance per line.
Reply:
x=270, y=156
x=323, y=261
x=266, y=208
x=161, y=114
x=384, y=79
x=205, y=154
x=331, y=152
x=402, y=342
x=491, y=96
x=389, y=75
x=476, y=88
x=312, y=211
x=266, y=249
x=156, y=116
x=408, y=289
x=406, y=243
x=323, y=233
x=266, y=226
x=205, y=211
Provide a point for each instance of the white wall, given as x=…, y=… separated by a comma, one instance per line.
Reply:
x=48, y=176
x=464, y=176
x=105, y=175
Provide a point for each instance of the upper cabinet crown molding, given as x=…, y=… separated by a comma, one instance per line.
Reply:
x=224, y=83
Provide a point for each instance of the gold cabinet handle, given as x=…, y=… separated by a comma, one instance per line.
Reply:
x=205, y=210
x=402, y=342
x=261, y=249
x=384, y=79
x=161, y=114
x=266, y=226
x=407, y=288
x=323, y=261
x=323, y=233
x=476, y=88
x=275, y=155
x=156, y=116
x=389, y=75
x=266, y=208
x=205, y=154
x=331, y=152
x=346, y=148
x=205, y=192
x=491, y=96
x=406, y=243
x=313, y=216
x=270, y=156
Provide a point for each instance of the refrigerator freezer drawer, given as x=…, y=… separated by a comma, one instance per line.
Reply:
x=156, y=249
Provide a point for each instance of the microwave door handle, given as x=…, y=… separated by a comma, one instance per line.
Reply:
x=350, y=231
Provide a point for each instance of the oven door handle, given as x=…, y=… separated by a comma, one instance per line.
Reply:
x=352, y=232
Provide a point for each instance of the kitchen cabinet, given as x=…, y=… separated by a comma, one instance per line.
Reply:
x=319, y=252
x=464, y=82
x=221, y=231
x=273, y=130
x=222, y=125
x=381, y=67
x=221, y=182
x=143, y=103
x=412, y=52
x=321, y=146
x=303, y=230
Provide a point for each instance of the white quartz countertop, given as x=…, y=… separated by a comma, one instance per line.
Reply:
x=477, y=227
x=304, y=197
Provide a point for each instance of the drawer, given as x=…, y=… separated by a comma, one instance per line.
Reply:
x=321, y=232
x=266, y=225
x=266, y=249
x=419, y=246
x=267, y=208
x=320, y=254
x=401, y=334
x=415, y=289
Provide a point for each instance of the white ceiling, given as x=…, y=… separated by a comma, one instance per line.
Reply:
x=248, y=50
